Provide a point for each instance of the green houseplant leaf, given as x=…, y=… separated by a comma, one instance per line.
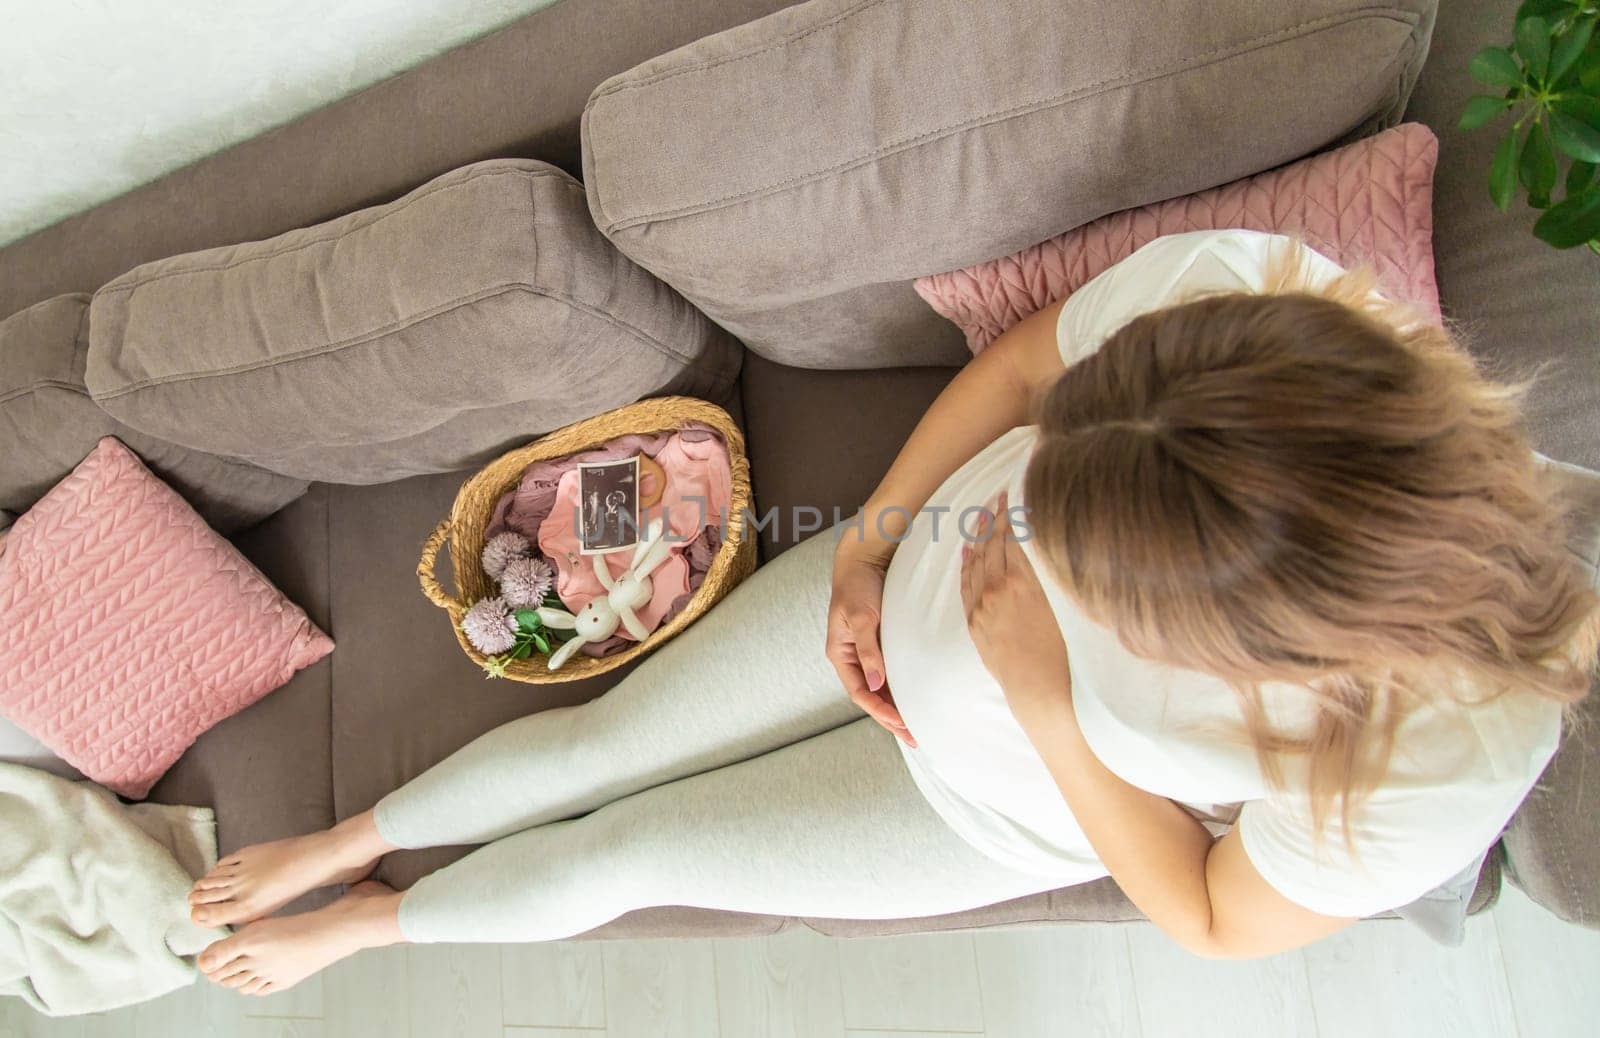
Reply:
x=1574, y=222
x=1494, y=66
x=1575, y=126
x=1503, y=171
x=1482, y=109
x=1533, y=45
x=1589, y=72
x=1579, y=176
x=1537, y=169
x=1569, y=48
x=1544, y=8
x=1582, y=108
x=1549, y=80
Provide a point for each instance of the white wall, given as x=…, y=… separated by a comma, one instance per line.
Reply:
x=100, y=96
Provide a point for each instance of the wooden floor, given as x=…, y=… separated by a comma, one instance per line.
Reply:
x=1522, y=974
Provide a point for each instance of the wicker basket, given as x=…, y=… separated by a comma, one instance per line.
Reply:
x=475, y=503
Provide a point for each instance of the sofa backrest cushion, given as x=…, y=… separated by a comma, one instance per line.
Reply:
x=48, y=424
x=517, y=91
x=789, y=176
x=424, y=335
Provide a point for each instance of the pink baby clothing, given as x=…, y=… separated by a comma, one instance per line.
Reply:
x=576, y=581
x=523, y=508
x=699, y=485
x=697, y=496
x=696, y=499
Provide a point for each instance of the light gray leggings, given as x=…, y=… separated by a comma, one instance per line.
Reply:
x=728, y=771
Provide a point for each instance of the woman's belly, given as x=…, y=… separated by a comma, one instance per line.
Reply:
x=987, y=780
x=950, y=703
x=933, y=669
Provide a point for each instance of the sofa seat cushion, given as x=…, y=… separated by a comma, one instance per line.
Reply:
x=267, y=770
x=790, y=175
x=48, y=425
x=864, y=417
x=1551, y=842
x=406, y=697
x=424, y=335
x=1099, y=901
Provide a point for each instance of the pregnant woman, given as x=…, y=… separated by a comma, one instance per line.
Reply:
x=1274, y=626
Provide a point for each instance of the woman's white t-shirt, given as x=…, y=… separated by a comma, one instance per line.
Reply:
x=1456, y=776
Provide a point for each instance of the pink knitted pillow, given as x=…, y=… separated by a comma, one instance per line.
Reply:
x=128, y=628
x=1368, y=203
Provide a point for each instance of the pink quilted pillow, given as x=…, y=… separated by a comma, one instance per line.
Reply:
x=1366, y=204
x=128, y=628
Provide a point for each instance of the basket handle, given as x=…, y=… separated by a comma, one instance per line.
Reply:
x=425, y=568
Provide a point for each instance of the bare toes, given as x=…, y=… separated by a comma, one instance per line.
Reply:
x=214, y=879
x=240, y=968
x=207, y=916
x=218, y=954
x=232, y=913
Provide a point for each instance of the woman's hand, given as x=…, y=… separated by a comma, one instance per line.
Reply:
x=990, y=396
x=853, y=618
x=1011, y=622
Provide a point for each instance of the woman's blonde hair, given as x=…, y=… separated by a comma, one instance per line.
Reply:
x=1313, y=486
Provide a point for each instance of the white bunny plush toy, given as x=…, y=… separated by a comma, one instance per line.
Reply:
x=599, y=620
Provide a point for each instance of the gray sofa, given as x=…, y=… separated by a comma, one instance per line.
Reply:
x=787, y=171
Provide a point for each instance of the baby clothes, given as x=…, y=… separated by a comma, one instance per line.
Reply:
x=696, y=496
x=695, y=500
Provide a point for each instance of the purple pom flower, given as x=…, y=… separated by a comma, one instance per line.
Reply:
x=525, y=583
x=490, y=627
x=501, y=549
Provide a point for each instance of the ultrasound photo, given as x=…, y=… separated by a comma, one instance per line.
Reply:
x=608, y=499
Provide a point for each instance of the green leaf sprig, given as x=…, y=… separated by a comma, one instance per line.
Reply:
x=531, y=634
x=1549, y=80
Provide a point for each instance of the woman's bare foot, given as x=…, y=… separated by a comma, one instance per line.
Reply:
x=276, y=954
x=261, y=879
